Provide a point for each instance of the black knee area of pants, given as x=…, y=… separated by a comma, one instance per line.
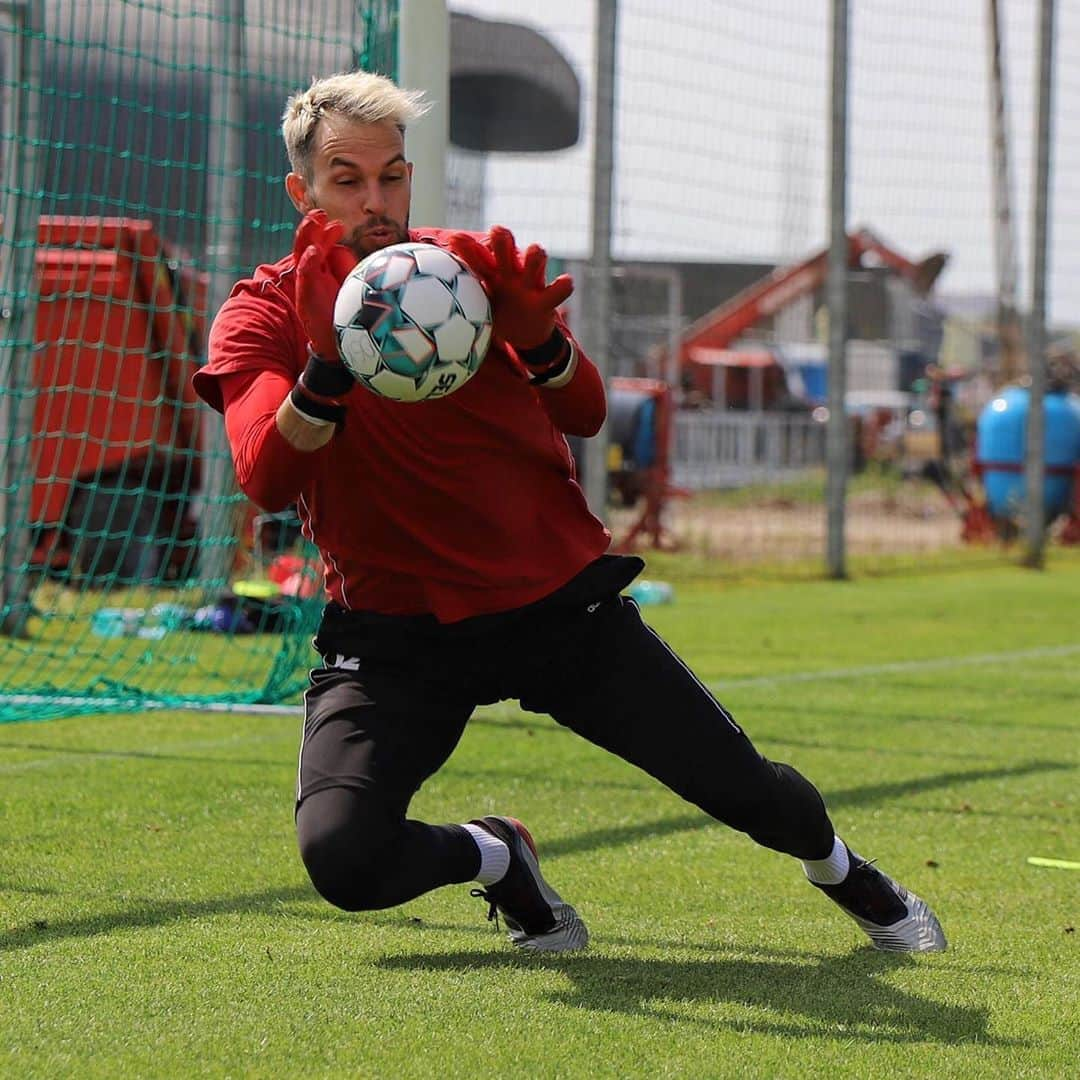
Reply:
x=782, y=810
x=347, y=841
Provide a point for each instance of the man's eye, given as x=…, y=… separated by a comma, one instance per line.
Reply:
x=345, y=182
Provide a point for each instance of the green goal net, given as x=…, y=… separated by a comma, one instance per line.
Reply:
x=141, y=174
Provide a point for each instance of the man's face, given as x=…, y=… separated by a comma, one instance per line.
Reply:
x=361, y=178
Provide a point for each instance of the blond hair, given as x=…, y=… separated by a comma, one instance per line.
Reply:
x=357, y=95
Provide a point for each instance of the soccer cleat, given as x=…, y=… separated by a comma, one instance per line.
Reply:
x=537, y=918
x=894, y=919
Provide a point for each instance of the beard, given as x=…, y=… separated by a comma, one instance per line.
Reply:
x=362, y=243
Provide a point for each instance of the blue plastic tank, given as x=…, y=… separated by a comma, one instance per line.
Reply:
x=1001, y=439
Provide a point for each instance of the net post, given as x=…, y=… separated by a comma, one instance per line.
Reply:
x=20, y=208
x=224, y=199
x=423, y=63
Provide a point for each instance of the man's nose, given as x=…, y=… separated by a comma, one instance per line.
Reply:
x=374, y=200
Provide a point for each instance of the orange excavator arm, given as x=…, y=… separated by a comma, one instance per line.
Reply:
x=721, y=326
x=921, y=274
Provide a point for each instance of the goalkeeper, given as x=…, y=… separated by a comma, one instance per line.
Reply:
x=462, y=565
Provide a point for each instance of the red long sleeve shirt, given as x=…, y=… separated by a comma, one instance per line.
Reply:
x=458, y=506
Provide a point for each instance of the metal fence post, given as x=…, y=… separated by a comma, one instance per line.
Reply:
x=837, y=454
x=1036, y=429
x=1012, y=359
x=597, y=306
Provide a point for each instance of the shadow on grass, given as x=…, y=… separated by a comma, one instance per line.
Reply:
x=148, y=914
x=59, y=751
x=866, y=795
x=27, y=890
x=837, y=997
x=873, y=793
x=399, y=921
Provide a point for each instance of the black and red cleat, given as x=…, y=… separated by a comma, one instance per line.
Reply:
x=536, y=916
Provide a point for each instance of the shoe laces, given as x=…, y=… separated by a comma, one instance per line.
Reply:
x=874, y=891
x=493, y=911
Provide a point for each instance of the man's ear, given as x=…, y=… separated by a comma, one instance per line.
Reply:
x=297, y=189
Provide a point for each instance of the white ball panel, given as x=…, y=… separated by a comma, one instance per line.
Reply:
x=472, y=298
x=483, y=340
x=350, y=299
x=454, y=339
x=398, y=268
x=436, y=261
x=426, y=300
x=388, y=384
x=359, y=351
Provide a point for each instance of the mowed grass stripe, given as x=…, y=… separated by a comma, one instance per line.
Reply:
x=944, y=663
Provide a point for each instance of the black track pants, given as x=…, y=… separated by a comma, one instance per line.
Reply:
x=380, y=722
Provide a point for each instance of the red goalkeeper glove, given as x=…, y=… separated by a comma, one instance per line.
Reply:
x=523, y=303
x=322, y=264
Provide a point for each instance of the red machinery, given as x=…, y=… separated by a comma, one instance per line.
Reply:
x=704, y=345
x=740, y=379
x=118, y=344
x=978, y=525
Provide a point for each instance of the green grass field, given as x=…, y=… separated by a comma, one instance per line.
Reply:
x=155, y=920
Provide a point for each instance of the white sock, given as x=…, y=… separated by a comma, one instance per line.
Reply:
x=830, y=871
x=494, y=855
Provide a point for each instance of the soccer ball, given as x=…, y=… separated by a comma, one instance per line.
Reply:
x=413, y=322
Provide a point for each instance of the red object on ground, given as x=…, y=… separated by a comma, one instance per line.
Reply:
x=284, y=567
x=980, y=527
x=118, y=343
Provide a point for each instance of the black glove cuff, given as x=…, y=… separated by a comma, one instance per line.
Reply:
x=317, y=412
x=559, y=373
x=545, y=354
x=326, y=378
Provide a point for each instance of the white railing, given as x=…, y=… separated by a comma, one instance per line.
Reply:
x=718, y=448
